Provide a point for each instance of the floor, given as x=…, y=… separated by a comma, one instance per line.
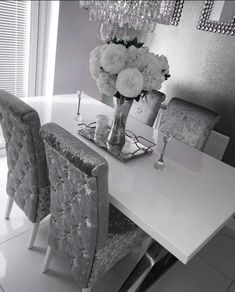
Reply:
x=212, y=270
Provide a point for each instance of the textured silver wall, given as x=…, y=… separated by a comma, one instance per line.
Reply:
x=202, y=65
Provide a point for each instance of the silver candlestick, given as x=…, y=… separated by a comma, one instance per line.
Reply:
x=78, y=116
x=160, y=163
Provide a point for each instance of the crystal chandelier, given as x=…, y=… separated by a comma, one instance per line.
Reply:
x=116, y=16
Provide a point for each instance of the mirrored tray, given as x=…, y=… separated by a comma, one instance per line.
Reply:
x=135, y=146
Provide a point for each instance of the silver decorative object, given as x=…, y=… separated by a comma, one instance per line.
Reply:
x=214, y=26
x=134, y=147
x=78, y=116
x=116, y=137
x=160, y=163
x=137, y=14
x=177, y=12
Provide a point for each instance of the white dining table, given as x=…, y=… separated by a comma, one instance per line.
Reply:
x=183, y=206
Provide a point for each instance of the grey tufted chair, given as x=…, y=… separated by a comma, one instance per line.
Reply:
x=85, y=230
x=27, y=181
x=188, y=122
x=146, y=109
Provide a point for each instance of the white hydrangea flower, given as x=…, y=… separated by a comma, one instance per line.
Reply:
x=106, y=83
x=151, y=83
x=95, y=70
x=130, y=82
x=164, y=63
x=113, y=58
x=156, y=83
x=94, y=62
x=114, y=67
x=164, y=66
x=154, y=71
x=149, y=72
x=137, y=57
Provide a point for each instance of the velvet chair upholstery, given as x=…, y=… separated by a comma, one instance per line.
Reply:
x=85, y=230
x=146, y=109
x=27, y=181
x=188, y=122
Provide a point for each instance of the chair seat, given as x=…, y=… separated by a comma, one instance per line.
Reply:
x=123, y=237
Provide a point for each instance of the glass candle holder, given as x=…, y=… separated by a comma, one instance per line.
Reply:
x=101, y=130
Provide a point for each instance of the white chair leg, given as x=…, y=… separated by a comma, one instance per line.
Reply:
x=47, y=259
x=33, y=234
x=9, y=207
x=86, y=289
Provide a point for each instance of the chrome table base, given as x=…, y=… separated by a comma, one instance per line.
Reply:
x=154, y=263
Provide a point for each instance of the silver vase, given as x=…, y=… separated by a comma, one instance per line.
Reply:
x=116, y=137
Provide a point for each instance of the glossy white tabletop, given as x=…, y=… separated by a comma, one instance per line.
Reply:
x=181, y=207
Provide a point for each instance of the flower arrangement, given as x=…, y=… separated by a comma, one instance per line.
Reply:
x=127, y=69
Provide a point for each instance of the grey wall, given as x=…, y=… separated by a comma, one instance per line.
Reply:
x=202, y=65
x=76, y=38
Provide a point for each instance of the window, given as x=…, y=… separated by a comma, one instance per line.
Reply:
x=14, y=48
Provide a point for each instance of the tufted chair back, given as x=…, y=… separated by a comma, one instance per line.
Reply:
x=146, y=109
x=79, y=200
x=27, y=181
x=188, y=122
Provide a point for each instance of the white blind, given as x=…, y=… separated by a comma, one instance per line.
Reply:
x=14, y=48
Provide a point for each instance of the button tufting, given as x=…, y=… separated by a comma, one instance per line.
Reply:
x=84, y=253
x=61, y=213
x=53, y=219
x=78, y=197
x=77, y=227
x=75, y=261
x=68, y=205
x=69, y=236
x=88, y=222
